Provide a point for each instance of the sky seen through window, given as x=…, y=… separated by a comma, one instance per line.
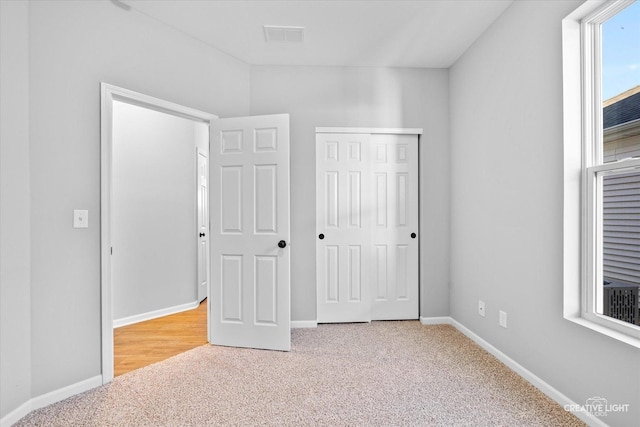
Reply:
x=621, y=52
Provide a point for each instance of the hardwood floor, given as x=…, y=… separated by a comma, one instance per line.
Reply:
x=144, y=343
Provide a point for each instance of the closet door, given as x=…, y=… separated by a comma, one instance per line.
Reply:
x=343, y=225
x=367, y=227
x=394, y=250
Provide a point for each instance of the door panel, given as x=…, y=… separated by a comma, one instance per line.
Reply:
x=231, y=282
x=231, y=188
x=402, y=254
x=397, y=193
x=355, y=273
x=381, y=199
x=355, y=199
x=380, y=277
x=266, y=286
x=341, y=203
x=266, y=190
x=331, y=273
x=331, y=196
x=250, y=272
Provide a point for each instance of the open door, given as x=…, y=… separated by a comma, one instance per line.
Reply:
x=203, y=222
x=249, y=211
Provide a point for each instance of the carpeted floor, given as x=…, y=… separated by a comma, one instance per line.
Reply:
x=378, y=374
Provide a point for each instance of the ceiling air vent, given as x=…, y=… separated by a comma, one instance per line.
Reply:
x=274, y=33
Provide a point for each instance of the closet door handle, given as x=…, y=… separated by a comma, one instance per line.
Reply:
x=282, y=244
x=321, y=236
x=413, y=235
x=202, y=234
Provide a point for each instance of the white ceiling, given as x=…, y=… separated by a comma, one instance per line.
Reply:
x=394, y=33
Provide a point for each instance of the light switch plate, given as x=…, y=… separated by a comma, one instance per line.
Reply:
x=481, y=311
x=80, y=218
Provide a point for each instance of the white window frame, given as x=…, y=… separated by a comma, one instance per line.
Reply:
x=584, y=168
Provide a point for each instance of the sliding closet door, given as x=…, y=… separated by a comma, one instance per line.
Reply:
x=366, y=226
x=394, y=263
x=343, y=222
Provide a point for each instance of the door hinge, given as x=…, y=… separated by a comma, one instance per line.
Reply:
x=111, y=249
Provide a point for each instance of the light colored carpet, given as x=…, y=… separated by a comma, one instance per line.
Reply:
x=378, y=374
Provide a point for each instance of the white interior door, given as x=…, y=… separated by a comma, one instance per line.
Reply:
x=250, y=277
x=394, y=262
x=367, y=225
x=343, y=226
x=203, y=223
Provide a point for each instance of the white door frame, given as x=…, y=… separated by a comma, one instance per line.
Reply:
x=110, y=93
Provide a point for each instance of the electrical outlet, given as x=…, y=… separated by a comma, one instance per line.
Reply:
x=481, y=308
x=80, y=218
x=503, y=319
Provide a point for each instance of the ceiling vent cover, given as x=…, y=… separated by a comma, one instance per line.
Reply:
x=273, y=33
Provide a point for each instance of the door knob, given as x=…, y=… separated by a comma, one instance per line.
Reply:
x=413, y=235
x=202, y=234
x=321, y=236
x=282, y=244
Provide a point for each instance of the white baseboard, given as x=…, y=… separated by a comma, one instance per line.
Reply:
x=529, y=376
x=49, y=398
x=124, y=321
x=443, y=320
x=65, y=392
x=15, y=415
x=301, y=324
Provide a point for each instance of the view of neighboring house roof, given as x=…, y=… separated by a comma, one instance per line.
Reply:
x=622, y=108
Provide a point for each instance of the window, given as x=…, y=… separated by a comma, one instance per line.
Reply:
x=601, y=43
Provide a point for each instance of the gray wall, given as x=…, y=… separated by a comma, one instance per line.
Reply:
x=362, y=97
x=73, y=47
x=15, y=320
x=153, y=210
x=507, y=210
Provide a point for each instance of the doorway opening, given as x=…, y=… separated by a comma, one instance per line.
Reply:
x=154, y=217
x=144, y=343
